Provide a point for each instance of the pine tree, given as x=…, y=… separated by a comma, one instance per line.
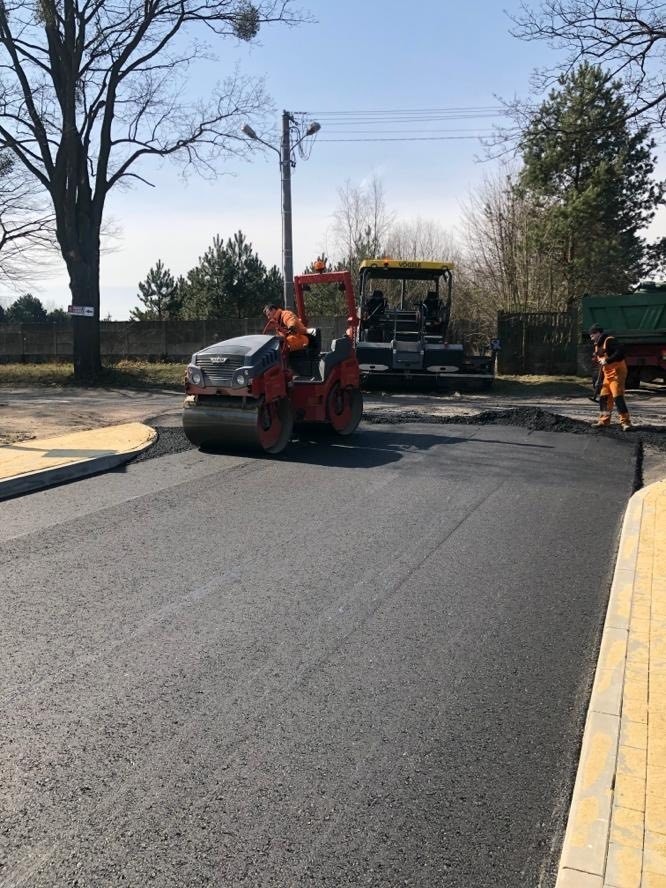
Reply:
x=593, y=177
x=230, y=281
x=27, y=309
x=159, y=294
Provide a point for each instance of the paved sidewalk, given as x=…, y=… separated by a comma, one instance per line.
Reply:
x=29, y=465
x=616, y=834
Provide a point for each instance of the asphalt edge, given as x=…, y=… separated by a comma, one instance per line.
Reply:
x=30, y=482
x=587, y=836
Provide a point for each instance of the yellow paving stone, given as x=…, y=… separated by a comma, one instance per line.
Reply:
x=637, y=650
x=640, y=613
x=657, y=691
x=652, y=880
x=641, y=627
x=655, y=841
x=630, y=792
x=623, y=866
x=656, y=750
x=627, y=827
x=636, y=672
x=657, y=732
x=654, y=861
x=655, y=813
x=656, y=779
x=632, y=762
x=634, y=709
x=634, y=734
x=636, y=690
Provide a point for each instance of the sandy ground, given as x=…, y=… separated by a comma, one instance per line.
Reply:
x=44, y=412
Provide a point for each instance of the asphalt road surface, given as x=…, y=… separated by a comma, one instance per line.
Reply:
x=364, y=663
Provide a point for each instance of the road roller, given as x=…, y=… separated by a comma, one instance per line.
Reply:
x=251, y=392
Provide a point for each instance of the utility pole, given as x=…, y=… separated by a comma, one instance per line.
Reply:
x=285, y=152
x=287, y=240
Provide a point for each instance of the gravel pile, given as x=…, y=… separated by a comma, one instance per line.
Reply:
x=169, y=440
x=532, y=418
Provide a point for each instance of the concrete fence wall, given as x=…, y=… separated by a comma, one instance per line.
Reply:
x=174, y=341
x=135, y=340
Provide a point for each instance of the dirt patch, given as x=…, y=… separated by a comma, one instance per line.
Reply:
x=31, y=413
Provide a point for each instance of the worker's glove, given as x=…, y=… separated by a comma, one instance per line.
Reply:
x=602, y=361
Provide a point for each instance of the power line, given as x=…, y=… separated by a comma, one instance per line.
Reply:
x=406, y=139
x=406, y=124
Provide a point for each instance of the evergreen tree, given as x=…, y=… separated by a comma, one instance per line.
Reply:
x=160, y=295
x=592, y=177
x=57, y=316
x=2, y=315
x=230, y=281
x=26, y=309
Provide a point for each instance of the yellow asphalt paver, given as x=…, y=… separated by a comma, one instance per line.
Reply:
x=616, y=833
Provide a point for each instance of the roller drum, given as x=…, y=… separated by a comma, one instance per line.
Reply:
x=229, y=425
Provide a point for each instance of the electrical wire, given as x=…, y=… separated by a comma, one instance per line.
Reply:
x=370, y=125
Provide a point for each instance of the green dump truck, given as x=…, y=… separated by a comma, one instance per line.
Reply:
x=638, y=320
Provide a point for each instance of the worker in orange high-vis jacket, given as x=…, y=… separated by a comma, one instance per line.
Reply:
x=609, y=356
x=289, y=326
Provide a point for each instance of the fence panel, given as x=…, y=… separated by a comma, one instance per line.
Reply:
x=538, y=342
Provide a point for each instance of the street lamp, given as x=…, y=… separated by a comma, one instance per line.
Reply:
x=284, y=153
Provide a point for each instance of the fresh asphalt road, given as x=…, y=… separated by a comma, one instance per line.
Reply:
x=363, y=663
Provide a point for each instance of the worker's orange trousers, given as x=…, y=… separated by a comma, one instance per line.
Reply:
x=612, y=392
x=296, y=341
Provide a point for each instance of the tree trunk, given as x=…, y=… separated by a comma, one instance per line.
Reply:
x=84, y=284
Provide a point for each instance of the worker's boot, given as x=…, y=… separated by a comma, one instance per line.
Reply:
x=604, y=413
x=625, y=421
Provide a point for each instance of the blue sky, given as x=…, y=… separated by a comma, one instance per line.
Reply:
x=356, y=56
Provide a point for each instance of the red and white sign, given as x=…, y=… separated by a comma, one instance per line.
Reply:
x=84, y=311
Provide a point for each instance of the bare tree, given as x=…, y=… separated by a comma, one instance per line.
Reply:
x=27, y=237
x=420, y=239
x=360, y=222
x=90, y=88
x=627, y=37
x=511, y=261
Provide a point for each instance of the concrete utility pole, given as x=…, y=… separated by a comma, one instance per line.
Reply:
x=287, y=242
x=285, y=154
